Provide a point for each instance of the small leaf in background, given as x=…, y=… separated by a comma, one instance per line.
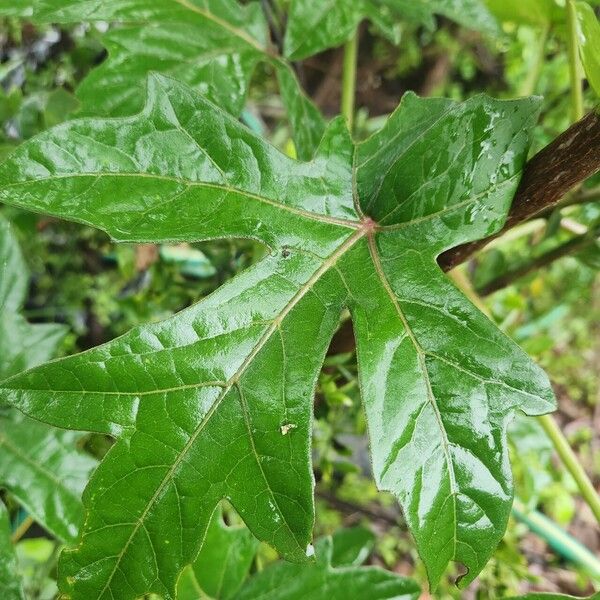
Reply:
x=528, y=12
x=589, y=43
x=351, y=546
x=222, y=564
x=36, y=558
x=321, y=581
x=305, y=119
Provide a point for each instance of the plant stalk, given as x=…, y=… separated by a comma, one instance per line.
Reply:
x=571, y=462
x=349, y=80
x=574, y=245
x=575, y=67
x=21, y=530
x=558, y=539
x=530, y=83
x=554, y=171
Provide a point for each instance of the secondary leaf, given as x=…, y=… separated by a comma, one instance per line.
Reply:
x=212, y=45
x=222, y=564
x=39, y=465
x=43, y=469
x=589, y=43
x=285, y=581
x=316, y=26
x=10, y=582
x=351, y=546
x=216, y=402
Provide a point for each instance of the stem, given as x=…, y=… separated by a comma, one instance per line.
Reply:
x=573, y=246
x=575, y=69
x=530, y=82
x=569, y=459
x=21, y=530
x=349, y=79
x=560, y=167
x=558, y=539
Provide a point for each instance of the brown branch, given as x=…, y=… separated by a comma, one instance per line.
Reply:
x=574, y=245
x=374, y=512
x=562, y=165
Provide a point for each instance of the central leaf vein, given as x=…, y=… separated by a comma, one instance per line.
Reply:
x=421, y=354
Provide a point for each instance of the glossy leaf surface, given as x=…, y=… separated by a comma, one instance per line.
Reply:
x=39, y=465
x=216, y=402
x=314, y=26
x=212, y=45
x=43, y=469
x=589, y=43
x=10, y=582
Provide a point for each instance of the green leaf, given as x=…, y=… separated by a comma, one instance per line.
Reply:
x=13, y=286
x=305, y=119
x=351, y=546
x=315, y=26
x=39, y=465
x=212, y=45
x=320, y=581
x=527, y=12
x=589, y=43
x=10, y=582
x=216, y=402
x=222, y=564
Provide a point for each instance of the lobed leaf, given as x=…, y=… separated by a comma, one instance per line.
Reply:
x=216, y=402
